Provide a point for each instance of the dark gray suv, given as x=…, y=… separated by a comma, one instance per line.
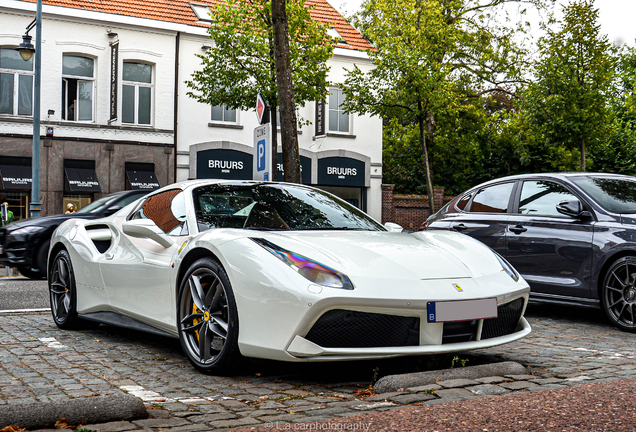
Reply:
x=571, y=235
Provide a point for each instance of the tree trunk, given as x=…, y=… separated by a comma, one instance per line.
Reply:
x=429, y=181
x=583, y=154
x=272, y=120
x=289, y=134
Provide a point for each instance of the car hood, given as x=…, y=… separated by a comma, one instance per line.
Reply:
x=45, y=221
x=422, y=255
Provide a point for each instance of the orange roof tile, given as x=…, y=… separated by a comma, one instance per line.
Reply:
x=179, y=11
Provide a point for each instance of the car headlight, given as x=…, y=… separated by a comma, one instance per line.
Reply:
x=27, y=230
x=507, y=267
x=310, y=269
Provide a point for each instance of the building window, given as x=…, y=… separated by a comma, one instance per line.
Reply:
x=16, y=83
x=78, y=88
x=137, y=93
x=220, y=113
x=338, y=119
x=18, y=203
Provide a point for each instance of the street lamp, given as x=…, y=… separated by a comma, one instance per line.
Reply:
x=27, y=50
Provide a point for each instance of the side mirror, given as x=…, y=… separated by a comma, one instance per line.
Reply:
x=393, y=227
x=573, y=209
x=146, y=229
x=111, y=210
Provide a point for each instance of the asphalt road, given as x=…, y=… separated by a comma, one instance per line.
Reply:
x=23, y=293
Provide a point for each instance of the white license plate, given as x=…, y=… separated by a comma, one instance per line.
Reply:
x=462, y=310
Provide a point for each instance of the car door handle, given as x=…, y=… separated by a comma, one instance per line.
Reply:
x=518, y=229
x=461, y=227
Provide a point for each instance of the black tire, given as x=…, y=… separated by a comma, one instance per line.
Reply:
x=618, y=293
x=206, y=304
x=31, y=274
x=41, y=258
x=63, y=292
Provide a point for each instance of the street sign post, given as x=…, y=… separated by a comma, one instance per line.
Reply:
x=262, y=152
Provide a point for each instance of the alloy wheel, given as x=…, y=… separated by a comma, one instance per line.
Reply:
x=619, y=293
x=60, y=289
x=204, y=311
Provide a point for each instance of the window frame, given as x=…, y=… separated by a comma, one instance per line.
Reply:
x=79, y=80
x=16, y=86
x=339, y=111
x=215, y=121
x=519, y=191
x=512, y=198
x=137, y=85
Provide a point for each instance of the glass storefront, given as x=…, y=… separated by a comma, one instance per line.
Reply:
x=18, y=203
x=78, y=201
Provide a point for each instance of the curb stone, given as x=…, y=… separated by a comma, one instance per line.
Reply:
x=98, y=409
x=392, y=383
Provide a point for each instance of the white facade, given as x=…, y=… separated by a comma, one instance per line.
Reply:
x=363, y=142
x=169, y=141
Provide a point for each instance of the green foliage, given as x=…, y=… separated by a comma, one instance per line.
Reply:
x=241, y=61
x=575, y=76
x=434, y=60
x=582, y=93
x=458, y=361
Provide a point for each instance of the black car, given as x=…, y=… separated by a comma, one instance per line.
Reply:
x=571, y=235
x=25, y=243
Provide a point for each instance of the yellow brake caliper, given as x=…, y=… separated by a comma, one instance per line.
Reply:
x=195, y=321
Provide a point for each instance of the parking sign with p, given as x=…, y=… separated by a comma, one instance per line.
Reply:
x=262, y=155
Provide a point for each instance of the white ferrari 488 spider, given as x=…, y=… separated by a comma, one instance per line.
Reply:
x=283, y=272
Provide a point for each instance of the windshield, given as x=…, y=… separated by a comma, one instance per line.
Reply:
x=96, y=204
x=276, y=207
x=616, y=194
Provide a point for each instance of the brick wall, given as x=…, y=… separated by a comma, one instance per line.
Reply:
x=409, y=211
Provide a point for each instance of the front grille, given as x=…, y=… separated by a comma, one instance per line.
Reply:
x=460, y=331
x=349, y=329
x=508, y=317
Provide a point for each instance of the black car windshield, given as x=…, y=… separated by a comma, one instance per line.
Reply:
x=99, y=203
x=616, y=194
x=276, y=207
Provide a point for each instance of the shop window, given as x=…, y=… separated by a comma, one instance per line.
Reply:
x=78, y=88
x=18, y=203
x=16, y=83
x=77, y=201
x=338, y=119
x=137, y=90
x=221, y=113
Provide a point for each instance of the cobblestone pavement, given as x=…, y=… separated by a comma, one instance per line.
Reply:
x=39, y=362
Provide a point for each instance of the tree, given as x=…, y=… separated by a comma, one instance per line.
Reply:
x=291, y=156
x=431, y=58
x=242, y=62
x=574, y=79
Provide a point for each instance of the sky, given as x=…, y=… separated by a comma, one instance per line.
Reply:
x=615, y=16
